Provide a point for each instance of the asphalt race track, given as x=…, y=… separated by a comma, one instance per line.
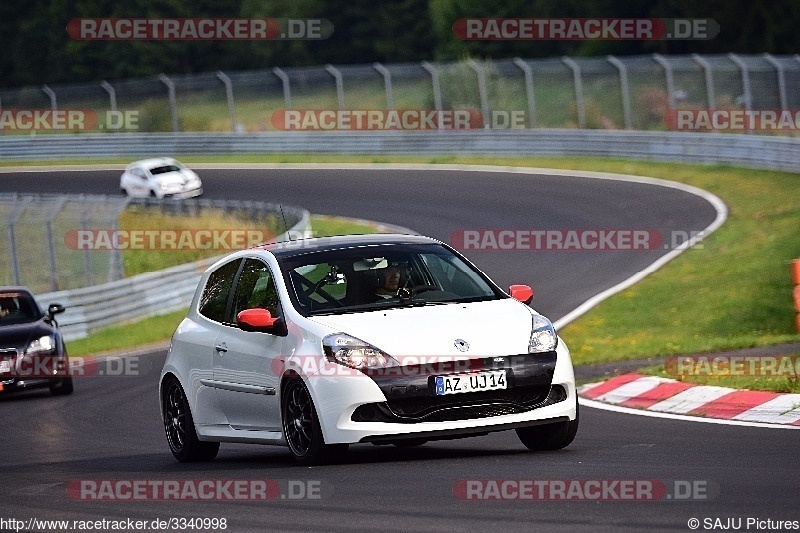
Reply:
x=110, y=429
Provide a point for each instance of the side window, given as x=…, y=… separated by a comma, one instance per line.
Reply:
x=255, y=288
x=216, y=292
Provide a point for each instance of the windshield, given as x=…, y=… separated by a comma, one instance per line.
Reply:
x=378, y=277
x=164, y=169
x=18, y=307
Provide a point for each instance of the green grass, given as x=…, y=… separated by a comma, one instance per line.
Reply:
x=788, y=384
x=129, y=335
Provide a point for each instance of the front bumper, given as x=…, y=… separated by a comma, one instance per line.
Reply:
x=378, y=408
x=23, y=371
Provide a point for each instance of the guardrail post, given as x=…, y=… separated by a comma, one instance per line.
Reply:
x=474, y=65
x=173, y=104
x=658, y=58
x=709, y=75
x=112, y=97
x=624, y=89
x=796, y=278
x=746, y=94
x=781, y=75
x=526, y=70
x=576, y=76
x=437, y=89
x=333, y=71
x=229, y=95
x=287, y=93
x=387, y=84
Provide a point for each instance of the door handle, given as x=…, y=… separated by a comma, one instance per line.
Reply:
x=221, y=347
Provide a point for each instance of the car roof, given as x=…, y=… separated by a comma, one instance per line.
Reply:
x=153, y=162
x=15, y=288
x=321, y=244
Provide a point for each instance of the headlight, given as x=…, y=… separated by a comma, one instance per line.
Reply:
x=543, y=336
x=41, y=345
x=355, y=353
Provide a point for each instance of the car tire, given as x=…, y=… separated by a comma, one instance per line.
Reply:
x=62, y=387
x=179, y=426
x=301, y=427
x=549, y=436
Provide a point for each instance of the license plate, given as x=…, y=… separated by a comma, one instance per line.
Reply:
x=5, y=367
x=479, y=381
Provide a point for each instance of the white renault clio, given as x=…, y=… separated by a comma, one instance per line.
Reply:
x=386, y=339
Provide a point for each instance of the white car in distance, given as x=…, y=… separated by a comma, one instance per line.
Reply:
x=160, y=177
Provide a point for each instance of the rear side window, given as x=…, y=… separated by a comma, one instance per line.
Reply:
x=214, y=300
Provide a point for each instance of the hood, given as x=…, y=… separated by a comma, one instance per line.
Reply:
x=493, y=328
x=20, y=335
x=176, y=177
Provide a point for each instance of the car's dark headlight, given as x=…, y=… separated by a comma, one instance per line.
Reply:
x=543, y=336
x=44, y=344
x=355, y=353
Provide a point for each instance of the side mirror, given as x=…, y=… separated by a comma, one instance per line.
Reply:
x=54, y=309
x=523, y=293
x=260, y=319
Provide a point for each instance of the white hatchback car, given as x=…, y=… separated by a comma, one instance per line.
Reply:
x=386, y=339
x=160, y=177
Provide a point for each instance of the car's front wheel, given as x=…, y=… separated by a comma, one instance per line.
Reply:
x=549, y=436
x=301, y=426
x=179, y=426
x=62, y=387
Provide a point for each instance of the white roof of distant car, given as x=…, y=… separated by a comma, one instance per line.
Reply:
x=154, y=162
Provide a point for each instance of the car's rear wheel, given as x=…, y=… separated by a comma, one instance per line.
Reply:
x=301, y=427
x=549, y=436
x=179, y=426
x=62, y=387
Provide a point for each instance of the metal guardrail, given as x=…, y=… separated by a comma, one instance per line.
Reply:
x=754, y=151
x=149, y=294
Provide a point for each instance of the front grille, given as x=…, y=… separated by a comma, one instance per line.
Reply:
x=460, y=406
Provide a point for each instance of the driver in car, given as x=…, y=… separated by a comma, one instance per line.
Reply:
x=389, y=279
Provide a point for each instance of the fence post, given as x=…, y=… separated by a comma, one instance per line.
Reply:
x=173, y=104
x=333, y=71
x=526, y=70
x=747, y=95
x=474, y=65
x=781, y=75
x=387, y=84
x=112, y=96
x=51, y=249
x=437, y=89
x=229, y=95
x=576, y=76
x=709, y=75
x=663, y=63
x=287, y=93
x=12, y=239
x=115, y=268
x=87, y=263
x=624, y=89
x=52, y=95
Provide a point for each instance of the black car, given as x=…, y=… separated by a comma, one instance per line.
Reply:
x=32, y=350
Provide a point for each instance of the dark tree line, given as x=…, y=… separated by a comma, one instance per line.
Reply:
x=37, y=49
